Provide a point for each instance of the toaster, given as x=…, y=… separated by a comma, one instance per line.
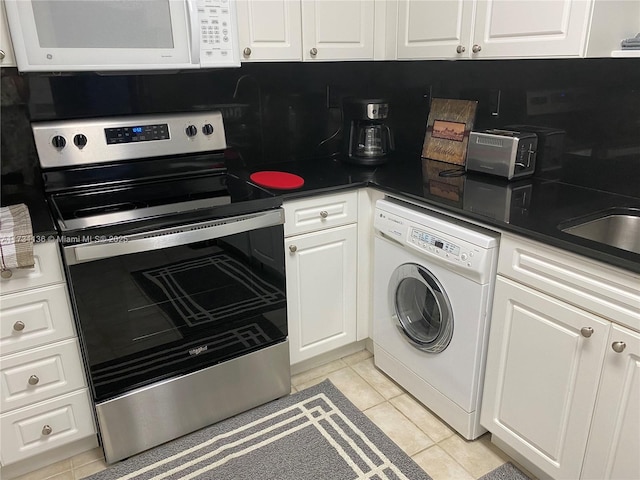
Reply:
x=509, y=154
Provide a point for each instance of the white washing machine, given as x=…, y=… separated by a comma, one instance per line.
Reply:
x=433, y=287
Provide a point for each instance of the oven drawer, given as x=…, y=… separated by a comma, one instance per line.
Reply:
x=317, y=213
x=40, y=374
x=47, y=270
x=45, y=426
x=35, y=317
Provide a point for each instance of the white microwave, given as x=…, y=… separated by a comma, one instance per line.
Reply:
x=123, y=35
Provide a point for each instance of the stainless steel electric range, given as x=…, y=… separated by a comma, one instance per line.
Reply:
x=176, y=273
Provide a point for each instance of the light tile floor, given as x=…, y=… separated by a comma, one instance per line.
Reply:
x=438, y=449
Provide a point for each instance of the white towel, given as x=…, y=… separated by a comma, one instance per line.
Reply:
x=16, y=238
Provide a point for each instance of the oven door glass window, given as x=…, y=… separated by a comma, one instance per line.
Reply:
x=158, y=314
x=422, y=310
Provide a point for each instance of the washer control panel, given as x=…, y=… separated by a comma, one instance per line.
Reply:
x=447, y=249
x=426, y=240
x=467, y=249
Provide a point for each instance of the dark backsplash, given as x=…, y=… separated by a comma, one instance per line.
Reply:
x=283, y=111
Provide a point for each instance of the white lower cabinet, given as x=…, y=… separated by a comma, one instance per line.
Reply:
x=46, y=413
x=562, y=383
x=542, y=377
x=321, y=291
x=321, y=236
x=613, y=451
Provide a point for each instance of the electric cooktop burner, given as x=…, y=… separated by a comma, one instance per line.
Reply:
x=141, y=181
x=101, y=207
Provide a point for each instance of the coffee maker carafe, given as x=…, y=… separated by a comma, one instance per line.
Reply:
x=367, y=138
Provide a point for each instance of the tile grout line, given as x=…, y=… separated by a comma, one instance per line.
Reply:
x=409, y=419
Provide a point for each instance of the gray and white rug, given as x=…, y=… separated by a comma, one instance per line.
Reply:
x=316, y=434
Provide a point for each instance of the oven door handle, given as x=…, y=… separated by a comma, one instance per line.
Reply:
x=170, y=237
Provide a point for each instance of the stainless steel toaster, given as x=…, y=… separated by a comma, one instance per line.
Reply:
x=508, y=154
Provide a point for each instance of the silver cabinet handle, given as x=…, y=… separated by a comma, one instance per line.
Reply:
x=18, y=326
x=324, y=214
x=313, y=51
x=46, y=430
x=33, y=380
x=6, y=273
x=293, y=248
x=246, y=52
x=586, y=331
x=618, y=347
x=476, y=48
x=460, y=49
x=2, y=55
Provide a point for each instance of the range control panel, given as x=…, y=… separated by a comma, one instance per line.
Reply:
x=90, y=141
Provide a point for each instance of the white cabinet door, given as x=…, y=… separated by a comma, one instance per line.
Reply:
x=270, y=30
x=7, y=59
x=434, y=29
x=321, y=291
x=614, y=443
x=337, y=30
x=543, y=365
x=530, y=28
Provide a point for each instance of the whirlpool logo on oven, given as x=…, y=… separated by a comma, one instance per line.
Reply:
x=197, y=351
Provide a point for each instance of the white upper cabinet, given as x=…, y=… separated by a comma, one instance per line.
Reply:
x=459, y=29
x=309, y=30
x=530, y=28
x=270, y=30
x=434, y=29
x=7, y=58
x=334, y=30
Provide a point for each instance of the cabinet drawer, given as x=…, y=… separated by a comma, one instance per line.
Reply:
x=317, y=213
x=35, y=317
x=598, y=288
x=40, y=374
x=47, y=270
x=46, y=425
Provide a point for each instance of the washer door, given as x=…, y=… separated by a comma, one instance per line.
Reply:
x=422, y=309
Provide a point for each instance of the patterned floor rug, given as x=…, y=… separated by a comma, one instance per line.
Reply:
x=311, y=435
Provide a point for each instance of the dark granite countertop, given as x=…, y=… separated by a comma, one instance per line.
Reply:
x=532, y=208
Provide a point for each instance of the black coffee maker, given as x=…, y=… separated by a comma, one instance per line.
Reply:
x=367, y=138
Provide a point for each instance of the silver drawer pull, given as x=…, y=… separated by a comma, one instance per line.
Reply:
x=18, y=326
x=293, y=248
x=618, y=347
x=47, y=430
x=324, y=214
x=33, y=380
x=6, y=274
x=586, y=331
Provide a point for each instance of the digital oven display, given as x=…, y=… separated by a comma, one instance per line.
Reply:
x=142, y=133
